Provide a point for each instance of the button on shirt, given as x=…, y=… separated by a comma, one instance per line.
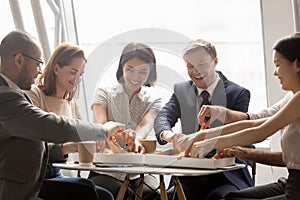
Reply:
x=119, y=109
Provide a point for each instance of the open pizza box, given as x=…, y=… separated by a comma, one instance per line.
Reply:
x=187, y=162
x=162, y=160
x=121, y=159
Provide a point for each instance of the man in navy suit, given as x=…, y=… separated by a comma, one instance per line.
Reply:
x=201, y=59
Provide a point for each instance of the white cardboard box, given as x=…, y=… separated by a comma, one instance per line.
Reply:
x=162, y=160
x=135, y=159
x=173, y=161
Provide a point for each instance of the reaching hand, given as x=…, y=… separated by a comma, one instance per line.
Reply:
x=100, y=146
x=114, y=128
x=139, y=147
x=128, y=136
x=202, y=148
x=182, y=142
x=209, y=114
x=240, y=152
x=168, y=135
x=69, y=147
x=114, y=146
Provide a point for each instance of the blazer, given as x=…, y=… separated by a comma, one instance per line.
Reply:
x=23, y=130
x=183, y=105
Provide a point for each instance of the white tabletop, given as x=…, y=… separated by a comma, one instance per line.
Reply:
x=147, y=169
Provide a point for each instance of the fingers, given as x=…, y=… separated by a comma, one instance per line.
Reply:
x=187, y=153
x=114, y=146
x=223, y=153
x=141, y=149
x=239, y=152
x=200, y=149
x=167, y=136
x=179, y=142
x=114, y=127
x=194, y=151
x=204, y=116
x=130, y=139
x=100, y=145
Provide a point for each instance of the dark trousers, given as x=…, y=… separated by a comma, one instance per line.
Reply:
x=269, y=191
x=72, y=188
x=209, y=187
x=282, y=190
x=292, y=189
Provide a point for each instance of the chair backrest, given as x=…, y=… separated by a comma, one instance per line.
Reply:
x=252, y=164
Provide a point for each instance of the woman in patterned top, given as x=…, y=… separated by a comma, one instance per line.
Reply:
x=132, y=103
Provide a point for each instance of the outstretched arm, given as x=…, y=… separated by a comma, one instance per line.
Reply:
x=146, y=124
x=256, y=155
x=100, y=113
x=282, y=118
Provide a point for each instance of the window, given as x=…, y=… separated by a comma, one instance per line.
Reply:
x=233, y=26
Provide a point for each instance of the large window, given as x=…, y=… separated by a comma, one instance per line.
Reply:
x=234, y=26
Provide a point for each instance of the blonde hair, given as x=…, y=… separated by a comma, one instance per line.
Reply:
x=198, y=44
x=62, y=56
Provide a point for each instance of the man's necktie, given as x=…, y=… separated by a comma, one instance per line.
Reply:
x=204, y=97
x=203, y=100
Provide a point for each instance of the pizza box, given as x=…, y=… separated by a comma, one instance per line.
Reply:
x=186, y=162
x=134, y=159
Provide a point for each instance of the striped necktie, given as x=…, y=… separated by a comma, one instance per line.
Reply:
x=204, y=98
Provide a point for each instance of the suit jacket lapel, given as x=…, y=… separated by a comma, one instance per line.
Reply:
x=219, y=95
x=27, y=97
x=2, y=81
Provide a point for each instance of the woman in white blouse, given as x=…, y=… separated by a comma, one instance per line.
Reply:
x=132, y=103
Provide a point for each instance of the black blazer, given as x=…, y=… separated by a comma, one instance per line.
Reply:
x=183, y=105
x=23, y=154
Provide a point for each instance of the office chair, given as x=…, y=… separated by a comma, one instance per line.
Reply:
x=252, y=164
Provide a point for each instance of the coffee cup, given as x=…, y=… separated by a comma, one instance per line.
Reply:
x=149, y=145
x=86, y=152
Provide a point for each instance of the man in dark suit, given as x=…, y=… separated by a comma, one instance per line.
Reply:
x=24, y=127
x=207, y=86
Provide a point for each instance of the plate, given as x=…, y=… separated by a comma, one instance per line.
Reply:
x=173, y=161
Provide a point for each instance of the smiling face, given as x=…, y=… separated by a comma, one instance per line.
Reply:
x=135, y=74
x=201, y=68
x=287, y=72
x=68, y=77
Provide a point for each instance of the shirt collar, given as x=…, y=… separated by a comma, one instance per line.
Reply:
x=121, y=90
x=211, y=88
x=9, y=82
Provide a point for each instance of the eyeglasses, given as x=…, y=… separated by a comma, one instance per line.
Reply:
x=39, y=61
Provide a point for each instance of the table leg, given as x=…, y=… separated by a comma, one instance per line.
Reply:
x=123, y=189
x=139, y=191
x=179, y=189
x=162, y=187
